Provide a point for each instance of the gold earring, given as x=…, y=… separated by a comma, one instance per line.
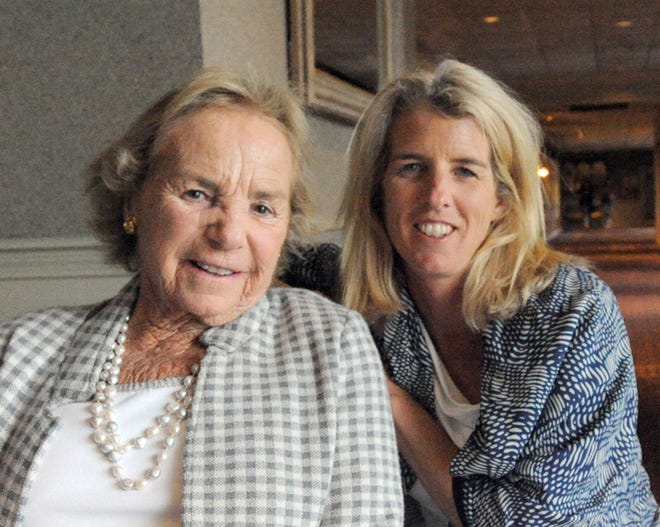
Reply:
x=129, y=225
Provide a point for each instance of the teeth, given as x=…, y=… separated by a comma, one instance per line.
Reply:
x=221, y=271
x=435, y=230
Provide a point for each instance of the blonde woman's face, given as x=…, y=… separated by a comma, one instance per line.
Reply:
x=439, y=194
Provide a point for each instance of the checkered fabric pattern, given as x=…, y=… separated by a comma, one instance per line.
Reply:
x=290, y=423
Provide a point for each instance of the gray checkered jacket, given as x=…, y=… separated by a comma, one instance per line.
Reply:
x=290, y=422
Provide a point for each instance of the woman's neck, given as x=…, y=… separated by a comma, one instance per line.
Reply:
x=439, y=300
x=459, y=347
x=158, y=347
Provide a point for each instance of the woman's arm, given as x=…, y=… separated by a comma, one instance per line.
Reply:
x=365, y=487
x=557, y=444
x=426, y=447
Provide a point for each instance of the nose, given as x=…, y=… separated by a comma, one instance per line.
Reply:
x=226, y=228
x=438, y=188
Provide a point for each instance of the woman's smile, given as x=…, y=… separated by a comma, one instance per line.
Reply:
x=217, y=271
x=435, y=230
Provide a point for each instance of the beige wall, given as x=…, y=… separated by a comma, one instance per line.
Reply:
x=250, y=36
x=245, y=36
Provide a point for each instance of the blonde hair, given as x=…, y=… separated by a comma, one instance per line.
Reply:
x=123, y=167
x=514, y=261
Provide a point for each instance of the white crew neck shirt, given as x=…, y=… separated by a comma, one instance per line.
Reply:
x=457, y=416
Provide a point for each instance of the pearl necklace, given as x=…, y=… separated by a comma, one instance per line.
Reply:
x=106, y=433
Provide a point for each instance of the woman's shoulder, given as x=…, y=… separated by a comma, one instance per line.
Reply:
x=310, y=304
x=574, y=288
x=577, y=276
x=42, y=329
x=577, y=315
x=52, y=327
x=318, y=318
x=46, y=318
x=317, y=331
x=577, y=297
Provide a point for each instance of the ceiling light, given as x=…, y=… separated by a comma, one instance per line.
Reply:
x=493, y=19
x=623, y=23
x=543, y=172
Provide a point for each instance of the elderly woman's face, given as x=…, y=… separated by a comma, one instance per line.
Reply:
x=213, y=214
x=440, y=194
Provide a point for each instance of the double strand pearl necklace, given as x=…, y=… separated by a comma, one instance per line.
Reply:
x=106, y=433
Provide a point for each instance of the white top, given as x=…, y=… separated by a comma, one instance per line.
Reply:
x=458, y=418
x=74, y=487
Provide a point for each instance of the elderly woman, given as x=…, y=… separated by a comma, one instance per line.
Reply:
x=513, y=387
x=198, y=396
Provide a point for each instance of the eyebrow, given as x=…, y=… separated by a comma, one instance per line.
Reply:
x=414, y=156
x=206, y=183
x=470, y=161
x=258, y=194
x=405, y=156
x=270, y=195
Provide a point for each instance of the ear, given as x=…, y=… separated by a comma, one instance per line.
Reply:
x=500, y=210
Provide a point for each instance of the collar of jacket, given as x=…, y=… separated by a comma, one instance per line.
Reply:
x=83, y=360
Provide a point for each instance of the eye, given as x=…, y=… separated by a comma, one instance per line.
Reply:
x=409, y=169
x=465, y=172
x=195, y=194
x=262, y=209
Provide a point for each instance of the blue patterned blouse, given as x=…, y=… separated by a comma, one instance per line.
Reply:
x=556, y=441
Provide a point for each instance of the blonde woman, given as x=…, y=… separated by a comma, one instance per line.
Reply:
x=512, y=381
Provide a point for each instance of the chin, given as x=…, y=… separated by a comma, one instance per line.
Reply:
x=217, y=316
